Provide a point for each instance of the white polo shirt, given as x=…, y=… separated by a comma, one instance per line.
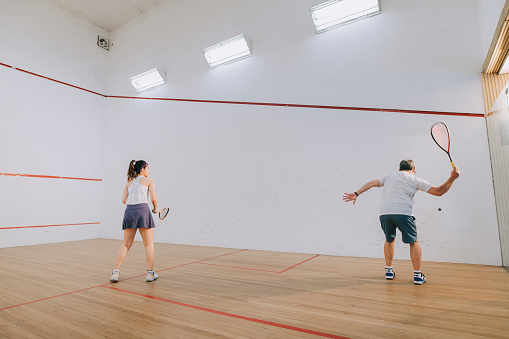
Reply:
x=398, y=192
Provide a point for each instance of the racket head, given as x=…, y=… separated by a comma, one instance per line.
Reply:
x=163, y=213
x=440, y=134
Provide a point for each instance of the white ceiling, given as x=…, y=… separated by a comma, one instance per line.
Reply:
x=107, y=14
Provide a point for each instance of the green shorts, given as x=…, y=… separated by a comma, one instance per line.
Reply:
x=405, y=223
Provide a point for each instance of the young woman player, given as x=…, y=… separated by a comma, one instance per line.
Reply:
x=137, y=216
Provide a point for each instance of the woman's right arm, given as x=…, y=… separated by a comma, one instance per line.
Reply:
x=125, y=194
x=152, y=190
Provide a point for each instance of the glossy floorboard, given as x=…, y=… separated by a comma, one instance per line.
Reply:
x=62, y=291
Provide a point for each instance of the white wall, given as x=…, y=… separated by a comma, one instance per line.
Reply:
x=48, y=128
x=489, y=15
x=245, y=176
x=415, y=55
x=44, y=39
x=272, y=178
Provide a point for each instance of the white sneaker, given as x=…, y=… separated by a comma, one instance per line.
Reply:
x=419, y=279
x=151, y=276
x=114, y=276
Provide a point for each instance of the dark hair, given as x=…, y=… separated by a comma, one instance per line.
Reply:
x=406, y=165
x=135, y=168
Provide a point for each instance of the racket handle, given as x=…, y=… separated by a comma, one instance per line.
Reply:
x=453, y=165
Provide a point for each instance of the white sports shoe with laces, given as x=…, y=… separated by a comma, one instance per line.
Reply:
x=389, y=273
x=151, y=276
x=114, y=276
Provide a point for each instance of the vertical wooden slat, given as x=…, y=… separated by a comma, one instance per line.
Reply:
x=483, y=78
x=491, y=89
x=501, y=49
x=496, y=118
x=493, y=51
x=493, y=84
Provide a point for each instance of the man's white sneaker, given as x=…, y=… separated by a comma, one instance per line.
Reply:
x=419, y=279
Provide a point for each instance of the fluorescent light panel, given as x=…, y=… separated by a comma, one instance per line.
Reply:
x=335, y=13
x=148, y=80
x=228, y=51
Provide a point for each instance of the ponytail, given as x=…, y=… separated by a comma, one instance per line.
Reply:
x=135, y=168
x=131, y=173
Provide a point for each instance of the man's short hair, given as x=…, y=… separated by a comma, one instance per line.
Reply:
x=406, y=165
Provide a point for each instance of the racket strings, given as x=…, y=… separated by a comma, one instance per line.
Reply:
x=164, y=213
x=440, y=135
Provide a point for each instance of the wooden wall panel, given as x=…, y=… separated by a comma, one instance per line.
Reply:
x=493, y=84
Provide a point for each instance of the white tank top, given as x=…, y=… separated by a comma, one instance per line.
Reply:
x=138, y=194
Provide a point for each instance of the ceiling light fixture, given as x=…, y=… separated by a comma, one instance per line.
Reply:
x=148, y=80
x=331, y=14
x=228, y=51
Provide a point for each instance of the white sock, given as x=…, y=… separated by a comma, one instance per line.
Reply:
x=417, y=273
x=388, y=267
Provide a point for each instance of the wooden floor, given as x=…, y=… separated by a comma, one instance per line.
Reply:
x=62, y=291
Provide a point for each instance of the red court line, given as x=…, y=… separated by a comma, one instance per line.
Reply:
x=255, y=269
x=242, y=268
x=55, y=296
x=231, y=315
x=15, y=227
x=109, y=283
x=389, y=110
x=46, y=176
x=289, y=268
x=345, y=108
x=189, y=263
x=51, y=79
x=199, y=261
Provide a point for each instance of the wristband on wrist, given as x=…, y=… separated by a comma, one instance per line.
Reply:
x=357, y=194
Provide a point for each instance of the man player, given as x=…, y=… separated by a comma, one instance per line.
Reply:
x=396, y=204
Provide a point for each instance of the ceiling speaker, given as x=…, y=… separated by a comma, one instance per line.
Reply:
x=103, y=42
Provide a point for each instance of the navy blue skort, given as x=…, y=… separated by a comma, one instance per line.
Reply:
x=138, y=216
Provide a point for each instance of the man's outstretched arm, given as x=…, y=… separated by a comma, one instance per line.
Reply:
x=441, y=190
x=353, y=196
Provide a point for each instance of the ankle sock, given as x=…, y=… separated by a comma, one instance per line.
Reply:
x=417, y=273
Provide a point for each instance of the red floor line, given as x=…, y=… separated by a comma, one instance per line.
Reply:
x=109, y=283
x=16, y=227
x=199, y=261
x=389, y=110
x=46, y=176
x=289, y=268
x=222, y=255
x=242, y=268
x=231, y=315
x=55, y=296
x=189, y=263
